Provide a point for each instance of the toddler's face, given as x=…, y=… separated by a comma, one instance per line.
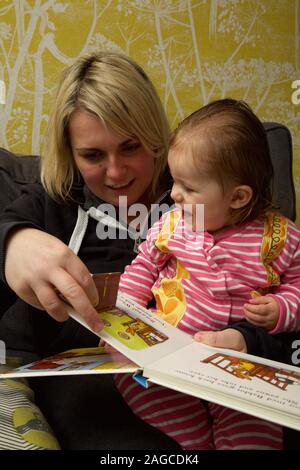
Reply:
x=193, y=185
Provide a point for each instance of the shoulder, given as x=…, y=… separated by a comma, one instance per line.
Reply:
x=280, y=226
x=168, y=221
x=293, y=229
x=281, y=236
x=274, y=224
x=293, y=236
x=36, y=192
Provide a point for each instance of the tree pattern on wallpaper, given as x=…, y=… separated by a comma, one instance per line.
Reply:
x=194, y=50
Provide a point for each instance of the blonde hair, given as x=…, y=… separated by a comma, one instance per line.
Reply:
x=117, y=90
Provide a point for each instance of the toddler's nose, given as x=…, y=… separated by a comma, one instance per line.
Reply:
x=176, y=195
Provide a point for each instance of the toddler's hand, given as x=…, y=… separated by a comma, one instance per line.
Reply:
x=262, y=311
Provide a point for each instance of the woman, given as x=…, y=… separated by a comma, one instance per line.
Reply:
x=107, y=138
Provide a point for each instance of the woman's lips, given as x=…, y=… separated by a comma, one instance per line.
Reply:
x=119, y=188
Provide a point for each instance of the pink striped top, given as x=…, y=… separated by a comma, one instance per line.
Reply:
x=205, y=280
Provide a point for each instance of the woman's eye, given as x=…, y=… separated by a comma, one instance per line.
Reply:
x=92, y=156
x=131, y=148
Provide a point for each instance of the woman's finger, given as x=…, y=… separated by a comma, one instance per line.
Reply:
x=51, y=302
x=29, y=296
x=79, y=272
x=76, y=297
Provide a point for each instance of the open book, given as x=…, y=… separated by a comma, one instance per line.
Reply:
x=162, y=354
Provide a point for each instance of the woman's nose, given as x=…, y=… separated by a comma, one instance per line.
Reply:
x=115, y=168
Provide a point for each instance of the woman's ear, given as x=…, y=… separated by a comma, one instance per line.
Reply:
x=241, y=195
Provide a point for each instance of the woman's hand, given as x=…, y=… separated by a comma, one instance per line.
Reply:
x=37, y=264
x=229, y=339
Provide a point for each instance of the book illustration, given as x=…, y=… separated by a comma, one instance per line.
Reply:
x=78, y=360
x=246, y=369
x=132, y=332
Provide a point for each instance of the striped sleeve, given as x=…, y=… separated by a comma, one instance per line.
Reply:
x=140, y=276
x=288, y=293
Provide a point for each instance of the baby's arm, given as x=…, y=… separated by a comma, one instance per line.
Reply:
x=279, y=311
x=262, y=311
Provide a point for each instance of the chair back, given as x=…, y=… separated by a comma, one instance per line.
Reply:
x=280, y=144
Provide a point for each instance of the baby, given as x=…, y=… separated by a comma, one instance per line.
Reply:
x=243, y=260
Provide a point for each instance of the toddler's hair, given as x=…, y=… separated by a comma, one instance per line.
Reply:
x=235, y=148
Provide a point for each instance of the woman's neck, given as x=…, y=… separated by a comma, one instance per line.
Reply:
x=149, y=198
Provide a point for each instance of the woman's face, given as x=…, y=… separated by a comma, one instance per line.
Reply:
x=111, y=164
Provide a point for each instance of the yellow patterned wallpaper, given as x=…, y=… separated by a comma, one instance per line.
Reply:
x=194, y=50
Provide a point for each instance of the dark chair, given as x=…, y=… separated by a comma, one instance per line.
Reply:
x=15, y=172
x=280, y=144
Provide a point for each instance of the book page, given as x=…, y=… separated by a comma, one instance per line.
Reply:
x=75, y=362
x=137, y=333
x=221, y=373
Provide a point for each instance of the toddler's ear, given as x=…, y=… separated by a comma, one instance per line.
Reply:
x=241, y=195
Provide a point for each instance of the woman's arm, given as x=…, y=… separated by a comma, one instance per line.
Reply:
x=36, y=265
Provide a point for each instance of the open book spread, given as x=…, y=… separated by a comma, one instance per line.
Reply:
x=162, y=354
